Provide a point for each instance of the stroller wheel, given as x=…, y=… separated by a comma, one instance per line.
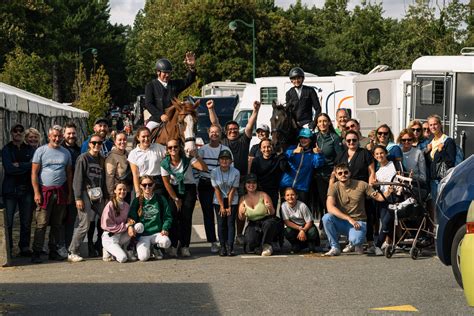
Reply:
x=389, y=251
x=414, y=253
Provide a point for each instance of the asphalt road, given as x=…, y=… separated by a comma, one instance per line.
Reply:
x=246, y=284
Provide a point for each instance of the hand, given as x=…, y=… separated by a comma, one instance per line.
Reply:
x=164, y=118
x=256, y=106
x=137, y=193
x=440, y=146
x=193, y=152
x=164, y=233
x=37, y=199
x=178, y=203
x=190, y=59
x=429, y=147
x=316, y=149
x=131, y=232
x=355, y=224
x=210, y=104
x=80, y=205
x=130, y=222
x=298, y=149
x=222, y=211
x=301, y=235
x=269, y=205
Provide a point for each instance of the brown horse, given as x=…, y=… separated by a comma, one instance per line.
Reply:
x=181, y=124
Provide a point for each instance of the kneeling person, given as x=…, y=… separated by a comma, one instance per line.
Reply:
x=300, y=230
x=346, y=210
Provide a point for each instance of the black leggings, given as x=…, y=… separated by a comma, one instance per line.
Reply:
x=183, y=219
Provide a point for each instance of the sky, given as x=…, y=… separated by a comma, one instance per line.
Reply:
x=124, y=11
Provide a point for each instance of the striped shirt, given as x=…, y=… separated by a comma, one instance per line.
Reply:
x=210, y=156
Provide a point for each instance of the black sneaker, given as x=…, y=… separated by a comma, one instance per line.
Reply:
x=92, y=251
x=53, y=255
x=295, y=248
x=223, y=251
x=25, y=253
x=230, y=251
x=36, y=258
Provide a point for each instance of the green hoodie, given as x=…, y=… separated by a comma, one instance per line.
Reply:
x=156, y=214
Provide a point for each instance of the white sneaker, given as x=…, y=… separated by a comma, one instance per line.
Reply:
x=62, y=251
x=333, y=252
x=74, y=258
x=215, y=247
x=106, y=256
x=157, y=253
x=267, y=250
x=349, y=248
x=185, y=252
x=131, y=255
x=359, y=249
x=371, y=250
x=378, y=251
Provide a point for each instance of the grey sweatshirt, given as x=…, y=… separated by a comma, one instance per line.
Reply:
x=89, y=173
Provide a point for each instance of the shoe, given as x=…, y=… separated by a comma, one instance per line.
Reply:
x=215, y=247
x=36, y=257
x=311, y=247
x=230, y=250
x=223, y=251
x=276, y=247
x=360, y=249
x=371, y=250
x=74, y=258
x=91, y=250
x=106, y=256
x=25, y=253
x=349, y=248
x=295, y=249
x=333, y=252
x=378, y=251
x=62, y=251
x=172, y=252
x=185, y=252
x=53, y=255
x=157, y=253
x=131, y=255
x=267, y=250
x=239, y=240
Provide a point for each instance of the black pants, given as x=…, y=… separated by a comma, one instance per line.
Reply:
x=312, y=236
x=261, y=232
x=371, y=219
x=322, y=184
x=183, y=219
x=206, y=195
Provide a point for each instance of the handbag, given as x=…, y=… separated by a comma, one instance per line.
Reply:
x=95, y=194
x=441, y=170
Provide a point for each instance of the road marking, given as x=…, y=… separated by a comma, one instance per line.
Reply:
x=254, y=256
x=399, y=308
x=200, y=231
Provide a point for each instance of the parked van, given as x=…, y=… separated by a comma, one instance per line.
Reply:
x=224, y=88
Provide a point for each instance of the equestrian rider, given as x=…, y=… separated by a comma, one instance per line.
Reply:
x=302, y=99
x=161, y=91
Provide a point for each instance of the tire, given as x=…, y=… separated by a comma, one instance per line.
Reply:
x=414, y=253
x=389, y=251
x=455, y=248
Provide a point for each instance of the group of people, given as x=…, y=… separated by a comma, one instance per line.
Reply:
x=141, y=202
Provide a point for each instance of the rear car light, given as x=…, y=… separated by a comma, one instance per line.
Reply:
x=470, y=228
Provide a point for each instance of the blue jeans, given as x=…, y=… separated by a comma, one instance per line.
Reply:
x=434, y=189
x=226, y=225
x=24, y=199
x=334, y=227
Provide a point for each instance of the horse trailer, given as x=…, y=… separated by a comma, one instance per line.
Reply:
x=224, y=89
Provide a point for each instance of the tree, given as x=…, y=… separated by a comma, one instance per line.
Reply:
x=92, y=94
x=27, y=72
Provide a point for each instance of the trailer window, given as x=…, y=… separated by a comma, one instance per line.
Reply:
x=373, y=96
x=268, y=94
x=432, y=92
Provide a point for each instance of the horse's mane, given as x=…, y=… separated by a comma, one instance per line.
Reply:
x=188, y=108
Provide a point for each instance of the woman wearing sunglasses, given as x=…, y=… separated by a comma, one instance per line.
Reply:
x=419, y=140
x=384, y=136
x=176, y=170
x=153, y=211
x=90, y=193
x=413, y=158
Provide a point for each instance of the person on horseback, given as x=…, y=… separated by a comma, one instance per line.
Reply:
x=302, y=99
x=161, y=91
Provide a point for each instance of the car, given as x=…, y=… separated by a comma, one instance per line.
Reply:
x=467, y=257
x=224, y=107
x=455, y=194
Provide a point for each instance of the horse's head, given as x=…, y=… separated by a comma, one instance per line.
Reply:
x=283, y=126
x=186, y=122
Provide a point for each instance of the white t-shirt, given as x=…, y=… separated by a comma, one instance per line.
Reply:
x=225, y=181
x=210, y=157
x=299, y=214
x=188, y=175
x=386, y=174
x=148, y=160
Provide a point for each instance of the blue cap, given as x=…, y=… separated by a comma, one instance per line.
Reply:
x=305, y=132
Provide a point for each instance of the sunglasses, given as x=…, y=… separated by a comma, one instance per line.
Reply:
x=18, y=130
x=147, y=185
x=351, y=140
x=345, y=172
x=426, y=129
x=172, y=147
x=406, y=140
x=350, y=126
x=382, y=133
x=416, y=129
x=94, y=143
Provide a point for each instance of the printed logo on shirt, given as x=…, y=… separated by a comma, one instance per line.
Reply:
x=150, y=211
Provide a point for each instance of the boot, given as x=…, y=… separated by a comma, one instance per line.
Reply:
x=223, y=250
x=230, y=250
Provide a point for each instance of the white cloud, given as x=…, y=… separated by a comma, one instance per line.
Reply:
x=124, y=11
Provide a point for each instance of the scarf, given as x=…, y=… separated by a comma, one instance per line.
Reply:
x=179, y=176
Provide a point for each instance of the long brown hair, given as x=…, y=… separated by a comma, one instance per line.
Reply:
x=114, y=200
x=141, y=197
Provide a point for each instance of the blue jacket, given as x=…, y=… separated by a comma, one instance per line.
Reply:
x=16, y=176
x=300, y=169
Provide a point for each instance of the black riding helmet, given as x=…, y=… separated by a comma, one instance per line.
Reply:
x=164, y=65
x=296, y=72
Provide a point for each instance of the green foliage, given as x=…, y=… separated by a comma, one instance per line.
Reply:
x=27, y=71
x=92, y=93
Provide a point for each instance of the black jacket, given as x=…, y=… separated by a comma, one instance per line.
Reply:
x=158, y=98
x=303, y=107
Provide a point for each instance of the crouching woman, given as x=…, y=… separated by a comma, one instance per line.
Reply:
x=115, y=225
x=262, y=226
x=300, y=230
x=153, y=211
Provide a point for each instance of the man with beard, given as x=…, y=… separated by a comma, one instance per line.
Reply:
x=101, y=127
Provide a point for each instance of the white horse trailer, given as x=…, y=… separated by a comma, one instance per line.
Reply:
x=224, y=89
x=444, y=85
x=383, y=97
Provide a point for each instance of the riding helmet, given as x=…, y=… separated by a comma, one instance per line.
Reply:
x=164, y=65
x=296, y=72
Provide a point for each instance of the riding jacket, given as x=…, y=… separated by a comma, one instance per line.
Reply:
x=300, y=168
x=304, y=104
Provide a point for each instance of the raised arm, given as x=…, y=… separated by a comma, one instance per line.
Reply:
x=212, y=113
x=252, y=119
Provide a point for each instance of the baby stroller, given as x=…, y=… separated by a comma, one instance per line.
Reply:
x=412, y=221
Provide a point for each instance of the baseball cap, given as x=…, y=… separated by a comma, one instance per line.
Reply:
x=17, y=125
x=101, y=120
x=305, y=132
x=225, y=154
x=251, y=177
x=264, y=127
